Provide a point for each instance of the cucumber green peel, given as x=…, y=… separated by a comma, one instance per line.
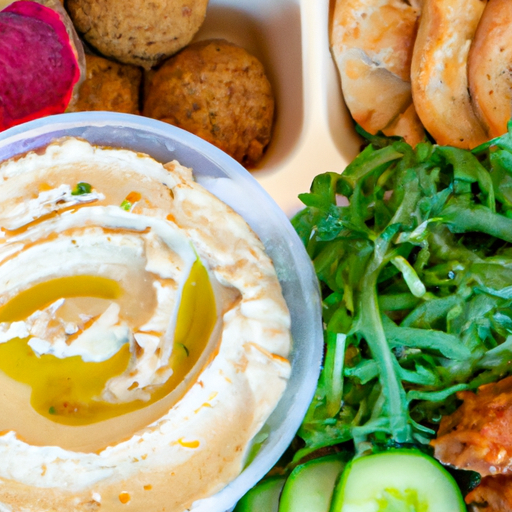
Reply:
x=413, y=250
x=263, y=497
x=310, y=485
x=397, y=481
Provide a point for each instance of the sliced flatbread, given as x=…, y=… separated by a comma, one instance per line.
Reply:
x=439, y=71
x=490, y=58
x=372, y=42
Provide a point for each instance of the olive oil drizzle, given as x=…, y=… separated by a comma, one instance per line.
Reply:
x=67, y=390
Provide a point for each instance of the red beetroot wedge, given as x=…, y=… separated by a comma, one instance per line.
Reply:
x=39, y=63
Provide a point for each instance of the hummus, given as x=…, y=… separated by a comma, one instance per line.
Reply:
x=143, y=334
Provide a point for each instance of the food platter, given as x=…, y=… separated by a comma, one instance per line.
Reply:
x=381, y=218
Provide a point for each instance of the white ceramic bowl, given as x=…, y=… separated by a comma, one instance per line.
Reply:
x=229, y=181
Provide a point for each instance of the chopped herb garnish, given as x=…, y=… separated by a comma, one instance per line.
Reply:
x=81, y=188
x=52, y=410
x=126, y=205
x=130, y=200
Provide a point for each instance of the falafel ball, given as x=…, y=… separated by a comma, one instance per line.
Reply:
x=218, y=91
x=109, y=86
x=137, y=32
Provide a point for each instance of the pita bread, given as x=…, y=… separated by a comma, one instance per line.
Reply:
x=439, y=71
x=490, y=81
x=372, y=42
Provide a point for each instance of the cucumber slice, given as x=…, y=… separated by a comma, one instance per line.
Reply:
x=310, y=485
x=263, y=497
x=397, y=481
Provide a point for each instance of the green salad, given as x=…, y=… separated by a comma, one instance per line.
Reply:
x=413, y=251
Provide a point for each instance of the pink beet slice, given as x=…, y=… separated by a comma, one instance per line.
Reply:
x=38, y=66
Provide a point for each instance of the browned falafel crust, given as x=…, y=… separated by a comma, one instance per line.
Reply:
x=109, y=86
x=139, y=32
x=218, y=91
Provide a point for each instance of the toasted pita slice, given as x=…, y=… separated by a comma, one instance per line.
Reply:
x=490, y=59
x=372, y=43
x=439, y=71
x=373, y=94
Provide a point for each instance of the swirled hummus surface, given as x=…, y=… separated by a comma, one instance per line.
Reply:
x=143, y=333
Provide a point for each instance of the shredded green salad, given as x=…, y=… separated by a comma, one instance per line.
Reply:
x=413, y=250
